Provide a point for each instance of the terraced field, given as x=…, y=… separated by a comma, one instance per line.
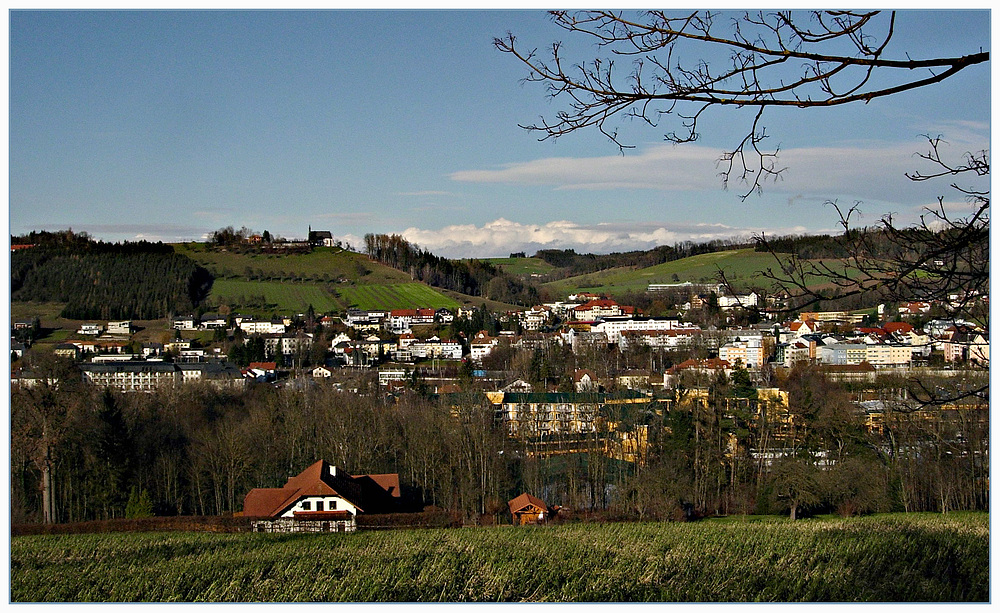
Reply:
x=329, y=279
x=277, y=296
x=394, y=296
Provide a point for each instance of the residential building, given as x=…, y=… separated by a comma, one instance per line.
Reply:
x=147, y=376
x=120, y=327
x=481, y=345
x=254, y=326
x=288, y=344
x=968, y=345
x=187, y=322
x=701, y=368
x=90, y=329
x=543, y=414
x=659, y=339
x=613, y=327
x=749, y=352
x=596, y=309
x=322, y=498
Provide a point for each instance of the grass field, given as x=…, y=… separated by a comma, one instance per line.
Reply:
x=522, y=266
x=322, y=264
x=883, y=558
x=285, y=297
x=394, y=296
x=289, y=283
x=742, y=267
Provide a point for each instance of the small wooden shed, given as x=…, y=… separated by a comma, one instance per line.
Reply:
x=526, y=509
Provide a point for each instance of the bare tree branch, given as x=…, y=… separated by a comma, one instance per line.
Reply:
x=774, y=60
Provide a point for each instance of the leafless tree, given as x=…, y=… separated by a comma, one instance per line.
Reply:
x=753, y=60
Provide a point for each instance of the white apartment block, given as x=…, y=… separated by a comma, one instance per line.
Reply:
x=612, y=327
x=253, y=326
x=748, y=352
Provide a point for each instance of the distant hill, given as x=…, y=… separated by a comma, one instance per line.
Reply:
x=97, y=280
x=742, y=267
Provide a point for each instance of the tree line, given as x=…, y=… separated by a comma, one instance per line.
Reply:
x=471, y=277
x=714, y=447
x=572, y=263
x=98, y=280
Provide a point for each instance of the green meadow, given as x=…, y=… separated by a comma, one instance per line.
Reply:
x=886, y=558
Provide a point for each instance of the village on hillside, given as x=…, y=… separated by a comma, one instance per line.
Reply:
x=617, y=352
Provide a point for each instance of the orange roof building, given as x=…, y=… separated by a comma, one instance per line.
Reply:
x=324, y=492
x=526, y=509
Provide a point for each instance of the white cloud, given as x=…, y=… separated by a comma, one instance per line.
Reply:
x=660, y=167
x=424, y=193
x=863, y=171
x=501, y=237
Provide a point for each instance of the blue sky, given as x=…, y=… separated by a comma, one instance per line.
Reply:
x=169, y=125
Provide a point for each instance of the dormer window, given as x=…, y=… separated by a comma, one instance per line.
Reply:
x=306, y=505
x=331, y=505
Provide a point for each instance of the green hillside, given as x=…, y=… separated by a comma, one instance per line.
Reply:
x=742, y=268
x=330, y=279
x=323, y=264
x=522, y=266
x=393, y=296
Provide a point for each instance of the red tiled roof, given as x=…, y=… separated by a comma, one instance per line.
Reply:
x=316, y=480
x=876, y=331
x=596, y=304
x=898, y=326
x=387, y=481
x=263, y=365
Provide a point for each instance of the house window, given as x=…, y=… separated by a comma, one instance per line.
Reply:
x=331, y=505
x=306, y=506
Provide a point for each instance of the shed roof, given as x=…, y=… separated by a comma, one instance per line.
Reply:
x=525, y=500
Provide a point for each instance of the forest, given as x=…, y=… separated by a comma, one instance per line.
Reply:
x=714, y=448
x=98, y=280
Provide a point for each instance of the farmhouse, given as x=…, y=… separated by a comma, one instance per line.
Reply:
x=322, y=498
